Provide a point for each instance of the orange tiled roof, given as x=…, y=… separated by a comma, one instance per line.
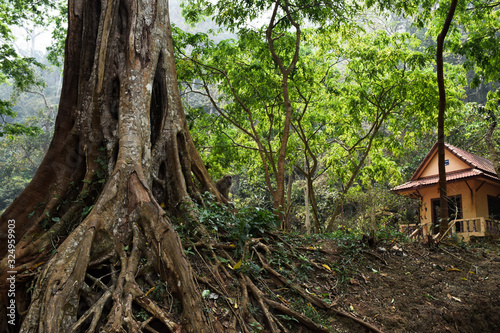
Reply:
x=477, y=161
x=479, y=166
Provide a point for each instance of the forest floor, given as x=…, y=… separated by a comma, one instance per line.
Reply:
x=410, y=287
x=341, y=282
x=394, y=285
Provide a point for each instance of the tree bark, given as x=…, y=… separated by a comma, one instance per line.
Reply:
x=279, y=193
x=308, y=213
x=441, y=118
x=287, y=221
x=121, y=151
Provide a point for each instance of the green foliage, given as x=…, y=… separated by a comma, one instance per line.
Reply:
x=362, y=100
x=160, y=291
x=345, y=82
x=238, y=226
x=256, y=327
x=372, y=209
x=351, y=247
x=15, y=70
x=237, y=15
x=26, y=121
x=10, y=189
x=386, y=79
x=390, y=234
x=212, y=135
x=142, y=314
x=59, y=22
x=257, y=75
x=471, y=127
x=251, y=190
x=21, y=155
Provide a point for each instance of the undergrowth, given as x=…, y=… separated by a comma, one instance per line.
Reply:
x=242, y=252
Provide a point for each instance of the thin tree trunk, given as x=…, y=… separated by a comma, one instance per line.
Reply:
x=492, y=148
x=314, y=205
x=308, y=212
x=289, y=202
x=441, y=118
x=279, y=193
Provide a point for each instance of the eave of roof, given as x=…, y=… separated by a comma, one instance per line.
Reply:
x=450, y=177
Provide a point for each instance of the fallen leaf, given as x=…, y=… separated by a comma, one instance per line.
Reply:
x=453, y=269
x=327, y=267
x=238, y=265
x=282, y=299
x=312, y=307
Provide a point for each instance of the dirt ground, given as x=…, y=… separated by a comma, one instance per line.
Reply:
x=410, y=287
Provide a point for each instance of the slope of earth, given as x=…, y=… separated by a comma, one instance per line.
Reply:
x=342, y=284
x=254, y=279
x=410, y=287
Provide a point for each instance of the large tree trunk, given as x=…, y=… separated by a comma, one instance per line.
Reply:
x=121, y=150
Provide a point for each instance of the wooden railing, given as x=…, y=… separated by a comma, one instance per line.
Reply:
x=479, y=226
x=482, y=225
x=492, y=227
x=413, y=231
x=468, y=225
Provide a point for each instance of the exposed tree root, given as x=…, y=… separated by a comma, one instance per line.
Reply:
x=377, y=257
x=95, y=312
x=294, y=314
x=268, y=307
x=260, y=299
x=310, y=297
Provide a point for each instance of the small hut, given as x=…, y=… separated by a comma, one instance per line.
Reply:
x=473, y=191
